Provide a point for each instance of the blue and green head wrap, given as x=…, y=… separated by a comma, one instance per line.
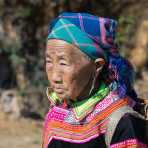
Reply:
x=95, y=36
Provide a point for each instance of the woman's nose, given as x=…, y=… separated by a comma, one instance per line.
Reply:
x=56, y=77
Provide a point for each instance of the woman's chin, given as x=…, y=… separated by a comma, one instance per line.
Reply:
x=61, y=95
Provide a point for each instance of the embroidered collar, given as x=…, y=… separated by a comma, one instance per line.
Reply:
x=84, y=107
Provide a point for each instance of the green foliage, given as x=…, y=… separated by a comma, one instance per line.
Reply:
x=23, y=12
x=13, y=55
x=125, y=27
x=17, y=59
x=21, y=92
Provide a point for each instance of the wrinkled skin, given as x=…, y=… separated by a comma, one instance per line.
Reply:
x=69, y=71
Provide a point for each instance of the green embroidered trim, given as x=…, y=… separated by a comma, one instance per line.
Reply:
x=84, y=107
x=54, y=98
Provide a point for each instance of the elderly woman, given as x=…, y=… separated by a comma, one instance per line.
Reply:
x=90, y=87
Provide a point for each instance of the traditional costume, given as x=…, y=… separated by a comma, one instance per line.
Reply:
x=106, y=118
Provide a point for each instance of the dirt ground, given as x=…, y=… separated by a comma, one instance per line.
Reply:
x=21, y=133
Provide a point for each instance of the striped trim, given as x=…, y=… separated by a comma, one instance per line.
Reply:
x=130, y=143
x=80, y=133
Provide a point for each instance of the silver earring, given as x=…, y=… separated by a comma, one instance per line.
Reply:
x=93, y=85
x=94, y=80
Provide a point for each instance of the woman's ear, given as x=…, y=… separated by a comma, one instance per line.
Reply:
x=100, y=62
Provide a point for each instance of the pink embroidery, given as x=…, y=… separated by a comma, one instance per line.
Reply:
x=106, y=102
x=129, y=144
x=57, y=114
x=81, y=22
x=111, y=98
x=103, y=30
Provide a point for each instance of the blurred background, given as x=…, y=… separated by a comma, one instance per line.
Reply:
x=23, y=33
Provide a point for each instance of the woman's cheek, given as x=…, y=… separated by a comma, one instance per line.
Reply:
x=74, y=90
x=49, y=71
x=71, y=77
x=68, y=76
x=48, y=66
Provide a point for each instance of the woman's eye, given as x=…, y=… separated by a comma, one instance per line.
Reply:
x=48, y=61
x=62, y=63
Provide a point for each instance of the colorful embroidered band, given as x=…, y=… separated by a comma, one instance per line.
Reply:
x=82, y=108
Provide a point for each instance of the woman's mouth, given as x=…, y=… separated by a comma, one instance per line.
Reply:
x=58, y=90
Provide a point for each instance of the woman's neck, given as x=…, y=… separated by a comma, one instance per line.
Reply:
x=89, y=89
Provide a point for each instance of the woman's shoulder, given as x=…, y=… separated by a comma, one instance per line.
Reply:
x=131, y=127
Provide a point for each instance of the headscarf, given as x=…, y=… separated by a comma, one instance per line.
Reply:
x=90, y=33
x=95, y=36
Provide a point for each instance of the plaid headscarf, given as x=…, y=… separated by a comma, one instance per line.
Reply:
x=90, y=33
x=95, y=36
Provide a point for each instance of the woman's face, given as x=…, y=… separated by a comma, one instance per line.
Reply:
x=69, y=71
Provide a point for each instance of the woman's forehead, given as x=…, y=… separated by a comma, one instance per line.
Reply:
x=57, y=46
x=62, y=48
